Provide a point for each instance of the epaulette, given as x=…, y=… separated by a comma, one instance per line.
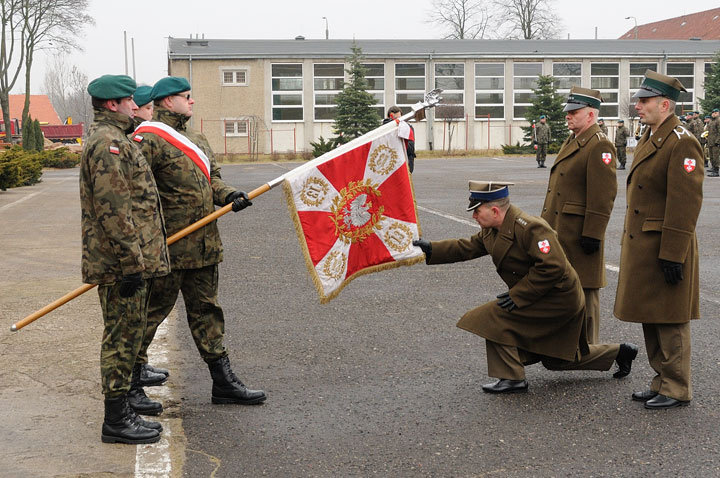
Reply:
x=680, y=130
x=521, y=221
x=601, y=135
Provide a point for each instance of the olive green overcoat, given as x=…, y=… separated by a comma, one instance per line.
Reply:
x=579, y=199
x=550, y=315
x=664, y=196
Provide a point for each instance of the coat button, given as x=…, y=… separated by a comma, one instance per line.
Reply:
x=631, y=236
x=556, y=213
x=548, y=189
x=558, y=193
x=639, y=186
x=544, y=209
x=636, y=211
x=562, y=174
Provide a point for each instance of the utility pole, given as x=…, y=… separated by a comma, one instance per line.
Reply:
x=327, y=32
x=636, y=28
x=132, y=44
x=125, y=43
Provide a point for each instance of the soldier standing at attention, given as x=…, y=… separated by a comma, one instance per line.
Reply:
x=124, y=247
x=542, y=138
x=659, y=277
x=703, y=138
x=541, y=318
x=190, y=186
x=580, y=197
x=698, y=125
x=603, y=127
x=145, y=104
x=714, y=144
x=621, y=136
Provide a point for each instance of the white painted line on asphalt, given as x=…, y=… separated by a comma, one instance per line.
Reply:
x=153, y=461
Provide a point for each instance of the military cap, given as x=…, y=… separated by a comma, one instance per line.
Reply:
x=715, y=110
x=485, y=191
x=168, y=86
x=142, y=95
x=112, y=87
x=655, y=84
x=583, y=97
x=621, y=121
x=543, y=116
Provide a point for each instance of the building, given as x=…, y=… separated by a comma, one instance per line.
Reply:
x=41, y=108
x=269, y=96
x=695, y=26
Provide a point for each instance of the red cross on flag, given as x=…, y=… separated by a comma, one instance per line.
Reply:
x=354, y=212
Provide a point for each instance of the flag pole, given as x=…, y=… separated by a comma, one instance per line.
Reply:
x=431, y=99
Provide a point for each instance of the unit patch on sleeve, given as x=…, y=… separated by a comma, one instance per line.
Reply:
x=544, y=246
x=138, y=138
x=607, y=157
x=114, y=150
x=689, y=165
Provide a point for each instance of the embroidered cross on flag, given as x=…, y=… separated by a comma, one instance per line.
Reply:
x=354, y=213
x=544, y=246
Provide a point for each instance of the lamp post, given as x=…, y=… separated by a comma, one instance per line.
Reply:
x=636, y=30
x=327, y=33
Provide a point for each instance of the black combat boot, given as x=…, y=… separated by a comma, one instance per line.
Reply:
x=120, y=425
x=624, y=359
x=714, y=173
x=621, y=166
x=137, y=398
x=162, y=371
x=542, y=164
x=146, y=377
x=228, y=389
x=145, y=423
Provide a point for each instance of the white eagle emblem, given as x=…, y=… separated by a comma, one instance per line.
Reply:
x=606, y=157
x=544, y=246
x=689, y=165
x=356, y=214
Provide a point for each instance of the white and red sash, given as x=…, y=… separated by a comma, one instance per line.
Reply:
x=182, y=143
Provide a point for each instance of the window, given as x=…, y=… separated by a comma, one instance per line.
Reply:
x=451, y=78
x=685, y=73
x=708, y=68
x=375, y=76
x=235, y=127
x=409, y=84
x=328, y=81
x=637, y=73
x=490, y=90
x=234, y=77
x=566, y=76
x=606, y=77
x=287, y=92
x=525, y=76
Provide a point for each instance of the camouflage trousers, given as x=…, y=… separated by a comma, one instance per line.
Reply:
x=621, y=154
x=714, y=156
x=204, y=315
x=125, y=320
x=541, y=152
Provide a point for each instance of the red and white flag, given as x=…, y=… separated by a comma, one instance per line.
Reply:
x=354, y=211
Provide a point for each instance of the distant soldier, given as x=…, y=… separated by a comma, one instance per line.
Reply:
x=124, y=247
x=714, y=143
x=603, y=126
x=542, y=139
x=621, y=137
x=698, y=125
x=541, y=317
x=144, y=103
x=703, y=138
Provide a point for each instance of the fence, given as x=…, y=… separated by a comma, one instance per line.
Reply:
x=248, y=135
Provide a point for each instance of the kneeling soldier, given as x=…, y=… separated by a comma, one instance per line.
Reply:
x=541, y=318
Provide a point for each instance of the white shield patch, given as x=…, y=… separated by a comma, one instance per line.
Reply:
x=689, y=165
x=607, y=157
x=544, y=246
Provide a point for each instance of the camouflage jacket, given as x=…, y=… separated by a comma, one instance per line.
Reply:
x=714, y=132
x=621, y=136
x=697, y=128
x=542, y=133
x=122, y=222
x=187, y=195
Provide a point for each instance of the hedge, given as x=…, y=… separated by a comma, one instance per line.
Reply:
x=19, y=167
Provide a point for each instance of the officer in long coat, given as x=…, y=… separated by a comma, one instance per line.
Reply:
x=123, y=247
x=659, y=281
x=541, y=318
x=190, y=186
x=580, y=196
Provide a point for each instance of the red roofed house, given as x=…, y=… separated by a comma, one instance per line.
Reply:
x=695, y=26
x=40, y=109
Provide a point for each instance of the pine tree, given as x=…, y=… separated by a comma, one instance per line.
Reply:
x=28, y=134
x=355, y=113
x=39, y=138
x=547, y=102
x=712, y=87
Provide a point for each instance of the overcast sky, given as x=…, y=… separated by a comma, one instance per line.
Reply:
x=150, y=22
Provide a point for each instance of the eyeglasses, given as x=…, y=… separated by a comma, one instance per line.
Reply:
x=187, y=96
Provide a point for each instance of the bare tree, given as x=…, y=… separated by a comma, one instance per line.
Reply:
x=66, y=87
x=450, y=114
x=12, y=42
x=527, y=19
x=464, y=19
x=50, y=24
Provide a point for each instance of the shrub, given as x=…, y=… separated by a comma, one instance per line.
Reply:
x=518, y=149
x=19, y=168
x=60, y=158
x=322, y=146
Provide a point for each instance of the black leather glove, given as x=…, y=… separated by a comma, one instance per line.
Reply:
x=425, y=246
x=506, y=302
x=673, y=271
x=637, y=137
x=589, y=245
x=239, y=201
x=130, y=284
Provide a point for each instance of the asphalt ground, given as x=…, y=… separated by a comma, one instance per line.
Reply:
x=379, y=382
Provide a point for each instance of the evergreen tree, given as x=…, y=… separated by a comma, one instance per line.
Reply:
x=355, y=113
x=547, y=102
x=39, y=138
x=28, y=134
x=712, y=87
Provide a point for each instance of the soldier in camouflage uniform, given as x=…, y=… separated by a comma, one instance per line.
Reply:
x=123, y=247
x=697, y=125
x=144, y=103
x=603, y=126
x=542, y=139
x=714, y=144
x=621, y=136
x=190, y=187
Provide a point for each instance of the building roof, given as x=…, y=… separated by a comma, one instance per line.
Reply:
x=184, y=48
x=40, y=108
x=703, y=25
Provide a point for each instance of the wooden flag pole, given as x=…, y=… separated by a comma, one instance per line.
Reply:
x=430, y=100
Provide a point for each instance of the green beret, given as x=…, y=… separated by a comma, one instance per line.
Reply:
x=112, y=87
x=715, y=110
x=168, y=86
x=142, y=95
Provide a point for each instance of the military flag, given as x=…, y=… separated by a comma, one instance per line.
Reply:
x=354, y=211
